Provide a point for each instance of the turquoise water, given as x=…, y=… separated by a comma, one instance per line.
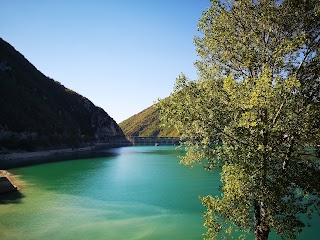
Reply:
x=129, y=193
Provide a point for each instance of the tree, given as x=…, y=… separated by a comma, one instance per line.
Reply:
x=252, y=112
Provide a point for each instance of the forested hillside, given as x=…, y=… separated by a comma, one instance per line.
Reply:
x=146, y=124
x=38, y=112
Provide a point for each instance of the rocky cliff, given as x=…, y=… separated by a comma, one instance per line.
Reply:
x=38, y=112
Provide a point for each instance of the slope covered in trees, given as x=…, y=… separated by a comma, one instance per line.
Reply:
x=38, y=112
x=147, y=124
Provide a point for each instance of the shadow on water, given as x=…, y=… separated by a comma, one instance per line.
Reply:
x=66, y=174
x=56, y=158
x=11, y=197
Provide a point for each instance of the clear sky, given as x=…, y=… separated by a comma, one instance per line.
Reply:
x=122, y=55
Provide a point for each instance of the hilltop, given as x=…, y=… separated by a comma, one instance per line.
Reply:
x=146, y=124
x=38, y=112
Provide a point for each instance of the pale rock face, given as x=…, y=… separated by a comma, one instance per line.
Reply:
x=104, y=125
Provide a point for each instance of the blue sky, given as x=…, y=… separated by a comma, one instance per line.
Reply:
x=122, y=55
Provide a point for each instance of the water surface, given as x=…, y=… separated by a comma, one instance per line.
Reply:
x=130, y=193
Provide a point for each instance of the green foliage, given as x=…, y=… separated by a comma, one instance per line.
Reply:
x=252, y=112
x=146, y=124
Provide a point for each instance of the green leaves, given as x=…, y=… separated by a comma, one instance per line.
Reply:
x=252, y=112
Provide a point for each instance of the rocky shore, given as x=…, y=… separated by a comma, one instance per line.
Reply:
x=14, y=159
x=12, y=156
x=7, y=182
x=19, y=158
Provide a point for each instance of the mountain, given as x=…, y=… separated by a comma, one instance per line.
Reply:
x=146, y=124
x=38, y=112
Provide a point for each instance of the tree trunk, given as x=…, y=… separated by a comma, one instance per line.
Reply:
x=262, y=233
x=261, y=229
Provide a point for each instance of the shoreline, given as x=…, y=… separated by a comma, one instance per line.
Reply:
x=8, y=183
x=15, y=159
x=44, y=153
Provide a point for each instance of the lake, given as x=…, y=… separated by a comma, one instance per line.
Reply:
x=127, y=193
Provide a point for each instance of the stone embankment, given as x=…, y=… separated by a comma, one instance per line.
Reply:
x=12, y=156
x=19, y=159
x=13, y=159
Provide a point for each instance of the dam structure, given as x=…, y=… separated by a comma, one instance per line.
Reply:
x=153, y=141
x=137, y=141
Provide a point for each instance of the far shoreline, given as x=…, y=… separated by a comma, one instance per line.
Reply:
x=16, y=159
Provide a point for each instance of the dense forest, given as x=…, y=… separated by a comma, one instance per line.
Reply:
x=39, y=112
x=147, y=124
